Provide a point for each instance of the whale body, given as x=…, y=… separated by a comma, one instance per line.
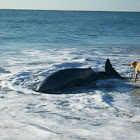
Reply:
x=67, y=79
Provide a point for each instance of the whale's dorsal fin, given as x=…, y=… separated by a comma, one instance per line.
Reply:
x=110, y=70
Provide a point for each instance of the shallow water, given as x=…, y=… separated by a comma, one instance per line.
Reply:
x=109, y=111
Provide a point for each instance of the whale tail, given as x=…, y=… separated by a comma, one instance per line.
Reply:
x=111, y=71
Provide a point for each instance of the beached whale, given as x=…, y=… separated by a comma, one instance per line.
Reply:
x=67, y=79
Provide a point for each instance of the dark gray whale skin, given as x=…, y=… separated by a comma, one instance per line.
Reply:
x=66, y=79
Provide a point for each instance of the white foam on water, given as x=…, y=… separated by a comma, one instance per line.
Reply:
x=110, y=111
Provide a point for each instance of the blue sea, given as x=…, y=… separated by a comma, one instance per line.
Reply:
x=36, y=43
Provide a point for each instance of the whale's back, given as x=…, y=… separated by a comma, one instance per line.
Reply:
x=63, y=79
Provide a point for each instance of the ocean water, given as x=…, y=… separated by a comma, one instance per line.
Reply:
x=34, y=44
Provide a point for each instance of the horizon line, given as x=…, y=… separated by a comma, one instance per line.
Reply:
x=69, y=10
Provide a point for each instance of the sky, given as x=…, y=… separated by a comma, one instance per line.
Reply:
x=88, y=5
